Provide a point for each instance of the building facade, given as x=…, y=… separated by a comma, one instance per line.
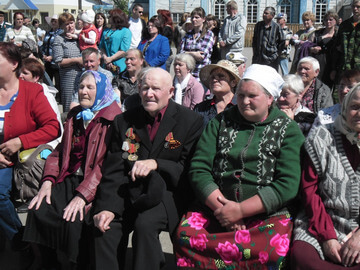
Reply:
x=253, y=9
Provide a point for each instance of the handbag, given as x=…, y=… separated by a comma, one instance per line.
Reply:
x=28, y=171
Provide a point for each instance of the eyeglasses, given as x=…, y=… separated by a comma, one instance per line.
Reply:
x=141, y=12
x=358, y=7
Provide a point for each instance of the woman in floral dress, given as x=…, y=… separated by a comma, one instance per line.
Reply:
x=245, y=173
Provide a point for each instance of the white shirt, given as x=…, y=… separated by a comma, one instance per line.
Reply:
x=136, y=30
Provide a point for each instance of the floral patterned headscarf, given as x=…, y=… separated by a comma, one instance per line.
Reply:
x=105, y=95
x=340, y=121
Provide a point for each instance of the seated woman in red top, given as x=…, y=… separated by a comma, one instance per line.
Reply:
x=326, y=232
x=26, y=121
x=72, y=172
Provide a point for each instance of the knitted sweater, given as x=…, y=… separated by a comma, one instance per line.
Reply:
x=243, y=159
x=339, y=185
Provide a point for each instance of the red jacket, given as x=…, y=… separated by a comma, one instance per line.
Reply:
x=31, y=117
x=57, y=163
x=85, y=32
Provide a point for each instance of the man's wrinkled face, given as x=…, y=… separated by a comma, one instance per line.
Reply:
x=155, y=91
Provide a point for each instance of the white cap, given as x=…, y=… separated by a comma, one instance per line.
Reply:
x=236, y=57
x=266, y=76
x=48, y=19
x=88, y=16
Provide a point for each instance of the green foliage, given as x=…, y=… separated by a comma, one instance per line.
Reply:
x=122, y=4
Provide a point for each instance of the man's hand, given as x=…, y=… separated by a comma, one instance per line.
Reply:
x=350, y=251
x=10, y=147
x=315, y=50
x=229, y=214
x=103, y=219
x=331, y=250
x=4, y=161
x=45, y=191
x=142, y=168
x=76, y=205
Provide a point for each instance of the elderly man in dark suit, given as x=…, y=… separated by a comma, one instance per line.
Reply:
x=144, y=183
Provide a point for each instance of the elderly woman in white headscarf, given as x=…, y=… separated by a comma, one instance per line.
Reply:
x=245, y=173
x=327, y=234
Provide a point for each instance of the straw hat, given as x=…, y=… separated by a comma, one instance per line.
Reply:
x=224, y=64
x=48, y=19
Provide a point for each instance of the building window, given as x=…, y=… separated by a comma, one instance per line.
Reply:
x=285, y=7
x=42, y=16
x=220, y=9
x=320, y=10
x=252, y=11
x=176, y=17
x=73, y=11
x=65, y=10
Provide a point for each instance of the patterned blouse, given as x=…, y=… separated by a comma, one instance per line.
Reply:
x=193, y=44
x=308, y=98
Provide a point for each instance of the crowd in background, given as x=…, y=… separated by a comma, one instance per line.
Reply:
x=252, y=166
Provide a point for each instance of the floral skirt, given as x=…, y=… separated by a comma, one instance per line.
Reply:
x=201, y=243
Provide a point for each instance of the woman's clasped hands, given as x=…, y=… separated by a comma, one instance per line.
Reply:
x=230, y=215
x=347, y=253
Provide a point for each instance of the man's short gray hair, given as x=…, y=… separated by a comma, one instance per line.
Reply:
x=233, y=4
x=272, y=10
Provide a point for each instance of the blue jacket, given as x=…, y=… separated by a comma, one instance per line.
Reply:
x=158, y=51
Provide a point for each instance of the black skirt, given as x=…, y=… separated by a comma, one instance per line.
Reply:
x=46, y=225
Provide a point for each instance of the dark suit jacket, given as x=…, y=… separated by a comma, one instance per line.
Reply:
x=186, y=127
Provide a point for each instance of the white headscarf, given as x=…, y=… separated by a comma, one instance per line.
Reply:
x=267, y=77
x=340, y=121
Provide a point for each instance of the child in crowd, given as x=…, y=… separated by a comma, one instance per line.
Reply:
x=88, y=36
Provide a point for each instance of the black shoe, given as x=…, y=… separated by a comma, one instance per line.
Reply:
x=23, y=208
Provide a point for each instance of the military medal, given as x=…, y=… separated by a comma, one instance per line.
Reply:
x=171, y=142
x=133, y=157
x=130, y=145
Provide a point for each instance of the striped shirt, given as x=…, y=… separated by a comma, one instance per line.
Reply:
x=4, y=109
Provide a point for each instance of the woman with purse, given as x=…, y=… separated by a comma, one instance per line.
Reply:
x=72, y=173
x=26, y=121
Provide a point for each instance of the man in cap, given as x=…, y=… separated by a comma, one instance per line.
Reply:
x=232, y=32
x=3, y=25
x=267, y=41
x=144, y=184
x=285, y=53
x=239, y=60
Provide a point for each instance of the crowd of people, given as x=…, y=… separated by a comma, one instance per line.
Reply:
x=244, y=167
